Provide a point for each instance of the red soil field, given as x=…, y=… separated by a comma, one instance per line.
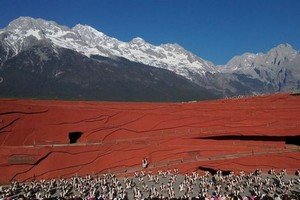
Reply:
x=233, y=134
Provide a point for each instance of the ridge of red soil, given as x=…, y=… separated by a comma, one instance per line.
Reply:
x=116, y=136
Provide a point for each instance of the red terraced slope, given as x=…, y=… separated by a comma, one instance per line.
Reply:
x=234, y=134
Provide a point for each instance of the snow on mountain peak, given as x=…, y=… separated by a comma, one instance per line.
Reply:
x=172, y=47
x=270, y=68
x=137, y=40
x=26, y=23
x=23, y=22
x=87, y=30
x=88, y=41
x=89, y=35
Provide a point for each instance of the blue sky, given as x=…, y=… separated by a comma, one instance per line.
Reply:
x=215, y=30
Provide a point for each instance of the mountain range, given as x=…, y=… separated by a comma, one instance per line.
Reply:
x=43, y=59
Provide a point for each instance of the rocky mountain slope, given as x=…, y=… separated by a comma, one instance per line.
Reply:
x=36, y=52
x=45, y=72
x=278, y=70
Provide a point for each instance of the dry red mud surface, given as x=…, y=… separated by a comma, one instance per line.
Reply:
x=234, y=134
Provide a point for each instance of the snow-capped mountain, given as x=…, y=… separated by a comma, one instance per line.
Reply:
x=42, y=59
x=88, y=58
x=86, y=40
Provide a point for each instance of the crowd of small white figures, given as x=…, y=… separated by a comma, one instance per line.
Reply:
x=168, y=184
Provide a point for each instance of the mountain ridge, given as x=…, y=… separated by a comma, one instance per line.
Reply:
x=46, y=73
x=89, y=41
x=274, y=71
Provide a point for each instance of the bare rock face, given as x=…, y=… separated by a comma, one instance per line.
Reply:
x=277, y=69
x=48, y=139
